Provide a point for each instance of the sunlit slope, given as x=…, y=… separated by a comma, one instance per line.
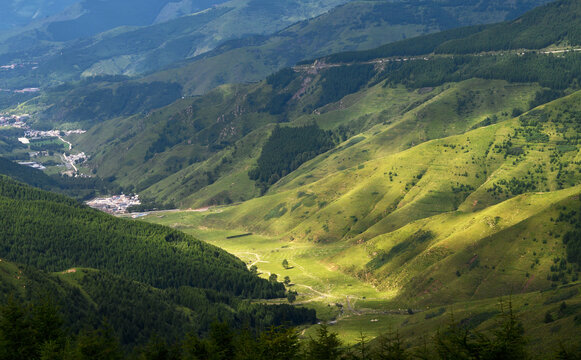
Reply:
x=506, y=248
x=187, y=154
x=370, y=106
x=392, y=119
x=196, y=152
x=407, y=118
x=485, y=166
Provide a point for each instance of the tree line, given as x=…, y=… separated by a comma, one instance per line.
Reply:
x=556, y=22
x=555, y=72
x=54, y=233
x=144, y=278
x=35, y=331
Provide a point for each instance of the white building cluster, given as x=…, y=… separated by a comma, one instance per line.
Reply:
x=18, y=121
x=117, y=204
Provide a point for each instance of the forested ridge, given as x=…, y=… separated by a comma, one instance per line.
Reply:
x=84, y=298
x=556, y=72
x=53, y=233
x=77, y=283
x=97, y=99
x=81, y=188
x=144, y=279
x=415, y=46
x=26, y=174
x=555, y=23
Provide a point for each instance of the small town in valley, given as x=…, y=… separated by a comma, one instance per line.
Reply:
x=117, y=204
x=32, y=137
x=17, y=121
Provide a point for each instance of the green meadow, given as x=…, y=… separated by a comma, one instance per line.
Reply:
x=356, y=306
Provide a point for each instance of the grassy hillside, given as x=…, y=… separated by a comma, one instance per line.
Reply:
x=385, y=189
x=427, y=187
x=199, y=151
x=361, y=304
x=169, y=177
x=452, y=223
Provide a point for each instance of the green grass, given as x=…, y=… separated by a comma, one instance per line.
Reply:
x=310, y=275
x=389, y=120
x=483, y=243
x=313, y=265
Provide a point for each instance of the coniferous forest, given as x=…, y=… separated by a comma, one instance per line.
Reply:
x=286, y=149
x=142, y=279
x=47, y=337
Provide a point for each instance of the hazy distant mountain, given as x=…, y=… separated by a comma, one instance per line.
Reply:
x=356, y=25
x=16, y=13
x=147, y=34
x=89, y=17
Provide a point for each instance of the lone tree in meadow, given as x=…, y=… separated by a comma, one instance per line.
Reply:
x=285, y=264
x=273, y=278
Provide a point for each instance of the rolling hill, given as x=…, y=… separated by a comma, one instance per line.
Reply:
x=259, y=37
x=453, y=181
x=248, y=59
x=435, y=212
x=18, y=14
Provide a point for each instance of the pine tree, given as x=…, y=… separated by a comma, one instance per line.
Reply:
x=16, y=334
x=509, y=341
x=279, y=343
x=326, y=346
x=391, y=347
x=100, y=344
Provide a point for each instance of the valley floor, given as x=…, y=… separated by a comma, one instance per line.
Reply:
x=354, y=308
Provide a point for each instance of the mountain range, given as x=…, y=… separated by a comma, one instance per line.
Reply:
x=434, y=174
x=256, y=35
